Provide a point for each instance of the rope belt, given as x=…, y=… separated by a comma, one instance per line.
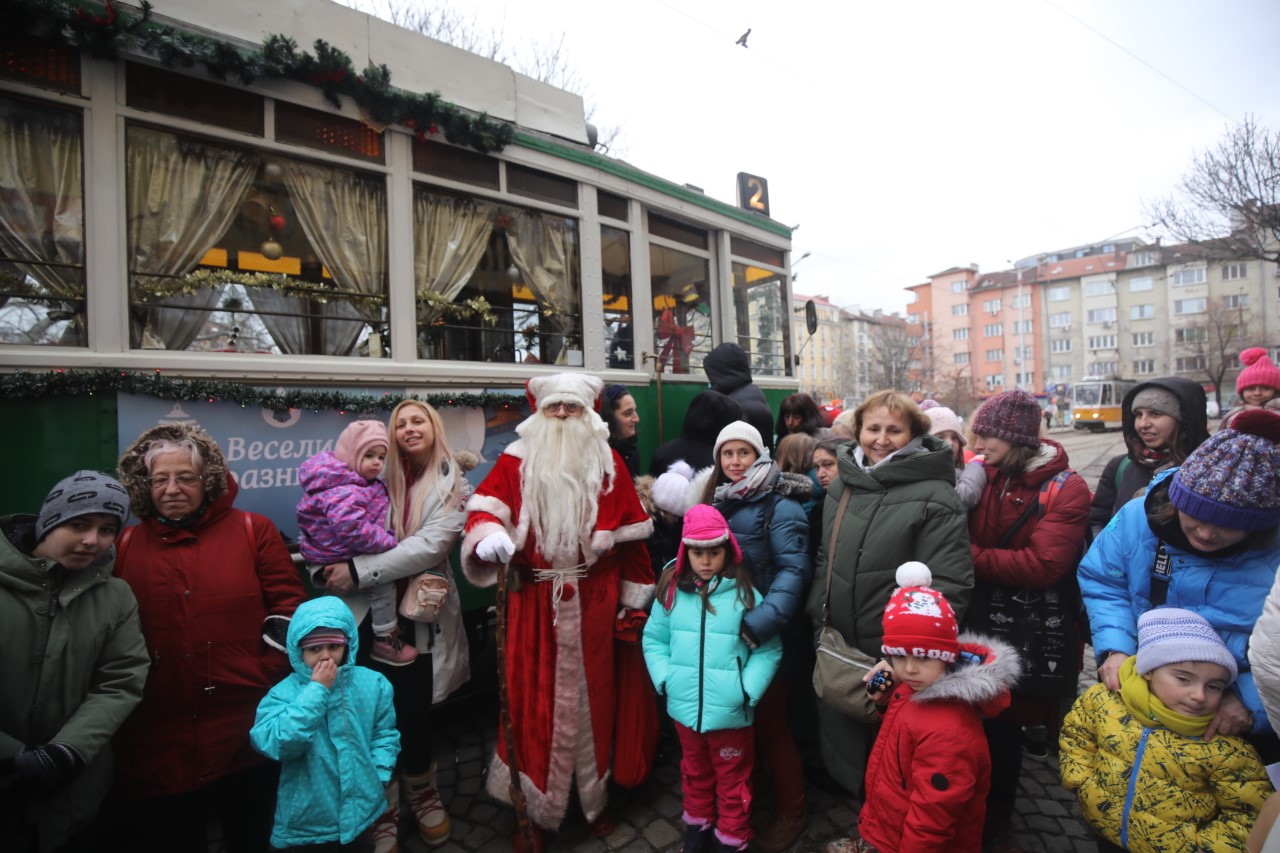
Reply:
x=558, y=578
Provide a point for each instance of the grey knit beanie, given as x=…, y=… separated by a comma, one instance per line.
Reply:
x=82, y=493
x=1159, y=399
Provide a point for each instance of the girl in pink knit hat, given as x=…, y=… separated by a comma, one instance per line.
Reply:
x=1258, y=385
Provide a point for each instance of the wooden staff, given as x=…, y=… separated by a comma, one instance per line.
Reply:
x=523, y=827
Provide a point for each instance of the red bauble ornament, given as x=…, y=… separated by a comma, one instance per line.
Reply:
x=277, y=222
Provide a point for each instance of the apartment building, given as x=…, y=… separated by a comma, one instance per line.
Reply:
x=853, y=353
x=939, y=317
x=821, y=361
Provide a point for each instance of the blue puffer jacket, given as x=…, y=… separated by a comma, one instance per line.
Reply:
x=773, y=532
x=337, y=747
x=712, y=680
x=1115, y=580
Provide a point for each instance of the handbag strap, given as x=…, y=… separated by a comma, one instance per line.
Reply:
x=831, y=552
x=1031, y=510
x=1161, y=572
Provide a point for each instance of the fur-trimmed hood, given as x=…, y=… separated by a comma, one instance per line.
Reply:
x=984, y=685
x=797, y=486
x=133, y=473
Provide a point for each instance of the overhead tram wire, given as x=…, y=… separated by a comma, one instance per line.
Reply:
x=1135, y=56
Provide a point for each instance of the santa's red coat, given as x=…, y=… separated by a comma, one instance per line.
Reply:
x=559, y=657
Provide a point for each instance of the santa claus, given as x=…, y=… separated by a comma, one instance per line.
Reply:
x=560, y=507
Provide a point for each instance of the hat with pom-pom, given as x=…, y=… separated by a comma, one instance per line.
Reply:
x=1232, y=480
x=670, y=489
x=1259, y=369
x=918, y=621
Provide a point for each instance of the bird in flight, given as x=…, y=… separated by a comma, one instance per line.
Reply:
x=742, y=39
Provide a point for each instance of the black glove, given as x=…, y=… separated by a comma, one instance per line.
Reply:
x=275, y=632
x=47, y=767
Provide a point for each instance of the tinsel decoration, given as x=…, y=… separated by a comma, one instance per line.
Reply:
x=26, y=385
x=106, y=31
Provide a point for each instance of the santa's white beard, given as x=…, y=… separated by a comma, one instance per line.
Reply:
x=565, y=465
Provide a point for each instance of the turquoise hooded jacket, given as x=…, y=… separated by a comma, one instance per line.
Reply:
x=336, y=746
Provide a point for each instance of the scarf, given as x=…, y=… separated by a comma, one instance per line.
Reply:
x=759, y=480
x=1147, y=707
x=1150, y=458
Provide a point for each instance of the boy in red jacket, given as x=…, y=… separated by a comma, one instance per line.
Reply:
x=929, y=771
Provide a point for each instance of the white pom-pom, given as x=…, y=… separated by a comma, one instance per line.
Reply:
x=682, y=468
x=913, y=573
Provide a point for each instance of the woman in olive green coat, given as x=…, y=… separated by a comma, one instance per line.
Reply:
x=903, y=506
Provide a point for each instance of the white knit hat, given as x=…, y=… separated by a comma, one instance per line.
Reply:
x=1172, y=635
x=581, y=388
x=943, y=419
x=738, y=431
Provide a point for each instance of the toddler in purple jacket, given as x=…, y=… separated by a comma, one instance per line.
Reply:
x=343, y=514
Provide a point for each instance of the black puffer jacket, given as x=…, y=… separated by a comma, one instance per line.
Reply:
x=729, y=370
x=708, y=413
x=1116, y=487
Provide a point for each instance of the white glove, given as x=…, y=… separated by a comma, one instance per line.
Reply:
x=496, y=548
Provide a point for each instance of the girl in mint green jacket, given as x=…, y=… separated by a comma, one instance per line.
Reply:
x=712, y=679
x=332, y=727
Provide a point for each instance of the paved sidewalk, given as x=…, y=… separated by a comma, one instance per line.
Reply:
x=648, y=818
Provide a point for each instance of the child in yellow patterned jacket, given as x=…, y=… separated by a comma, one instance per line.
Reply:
x=1146, y=779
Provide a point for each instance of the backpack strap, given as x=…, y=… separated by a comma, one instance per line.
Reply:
x=1051, y=487
x=1120, y=469
x=1161, y=572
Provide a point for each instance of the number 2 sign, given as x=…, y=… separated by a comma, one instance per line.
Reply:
x=753, y=193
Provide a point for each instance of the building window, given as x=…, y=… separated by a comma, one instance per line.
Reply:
x=1236, y=300
x=960, y=334
x=993, y=330
x=1102, y=315
x=1023, y=301
x=1142, y=259
x=1186, y=363
x=961, y=310
x=1060, y=371
x=1060, y=346
x=1142, y=312
x=958, y=286
x=1059, y=294
x=1102, y=342
x=1060, y=321
x=1099, y=288
x=995, y=355
x=1231, y=272
x=991, y=306
x=1138, y=285
x=1024, y=327
x=1192, y=335
x=1182, y=278
x=961, y=357
x=1144, y=339
x=913, y=319
x=1189, y=306
x=1144, y=366
x=1103, y=368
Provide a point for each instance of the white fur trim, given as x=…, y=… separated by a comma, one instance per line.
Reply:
x=491, y=505
x=581, y=388
x=693, y=494
x=479, y=572
x=601, y=541
x=637, y=532
x=637, y=596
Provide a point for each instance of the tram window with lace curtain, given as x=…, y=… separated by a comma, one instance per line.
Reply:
x=761, y=320
x=42, y=283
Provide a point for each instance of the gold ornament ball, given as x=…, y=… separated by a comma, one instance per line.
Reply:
x=271, y=250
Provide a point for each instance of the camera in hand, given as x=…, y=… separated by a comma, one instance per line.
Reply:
x=882, y=680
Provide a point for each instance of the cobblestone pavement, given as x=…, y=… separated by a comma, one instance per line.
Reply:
x=648, y=818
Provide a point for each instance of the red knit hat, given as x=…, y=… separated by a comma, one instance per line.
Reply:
x=1258, y=370
x=918, y=621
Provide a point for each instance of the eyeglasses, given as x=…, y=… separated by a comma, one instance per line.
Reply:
x=570, y=408
x=185, y=481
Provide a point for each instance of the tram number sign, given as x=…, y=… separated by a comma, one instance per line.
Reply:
x=753, y=193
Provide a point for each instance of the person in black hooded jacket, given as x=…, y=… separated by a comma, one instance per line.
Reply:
x=708, y=413
x=1162, y=421
x=728, y=369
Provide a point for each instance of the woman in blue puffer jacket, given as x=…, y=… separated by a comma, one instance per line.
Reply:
x=332, y=726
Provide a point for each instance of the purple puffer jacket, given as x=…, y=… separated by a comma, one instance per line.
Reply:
x=342, y=514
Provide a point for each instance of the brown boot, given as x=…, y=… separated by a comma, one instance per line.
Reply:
x=781, y=833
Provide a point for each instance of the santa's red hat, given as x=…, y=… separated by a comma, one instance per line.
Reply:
x=581, y=388
x=918, y=621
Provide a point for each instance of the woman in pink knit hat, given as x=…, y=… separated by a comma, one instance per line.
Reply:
x=1258, y=384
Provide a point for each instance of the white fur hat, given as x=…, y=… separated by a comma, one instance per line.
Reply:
x=738, y=431
x=581, y=388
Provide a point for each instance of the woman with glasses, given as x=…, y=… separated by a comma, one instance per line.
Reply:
x=215, y=587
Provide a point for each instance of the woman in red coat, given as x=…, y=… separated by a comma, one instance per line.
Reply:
x=212, y=583
x=1026, y=536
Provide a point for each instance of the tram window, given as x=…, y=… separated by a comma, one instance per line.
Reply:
x=615, y=270
x=519, y=267
x=532, y=183
x=41, y=225
x=454, y=163
x=613, y=206
x=35, y=60
x=231, y=250
x=760, y=319
x=160, y=91
x=681, y=308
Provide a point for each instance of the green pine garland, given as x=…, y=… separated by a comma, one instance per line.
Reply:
x=106, y=35
x=25, y=385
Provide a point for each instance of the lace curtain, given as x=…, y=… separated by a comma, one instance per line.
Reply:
x=451, y=238
x=42, y=218
x=182, y=195
x=540, y=250
x=344, y=217
x=304, y=326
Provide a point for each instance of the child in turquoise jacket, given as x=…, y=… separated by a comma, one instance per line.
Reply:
x=332, y=727
x=712, y=679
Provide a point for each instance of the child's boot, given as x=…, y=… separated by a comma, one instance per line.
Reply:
x=697, y=839
x=424, y=799
x=391, y=650
x=386, y=829
x=728, y=845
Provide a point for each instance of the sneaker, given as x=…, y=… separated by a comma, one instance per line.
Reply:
x=386, y=831
x=391, y=650
x=781, y=833
x=1035, y=744
x=424, y=799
